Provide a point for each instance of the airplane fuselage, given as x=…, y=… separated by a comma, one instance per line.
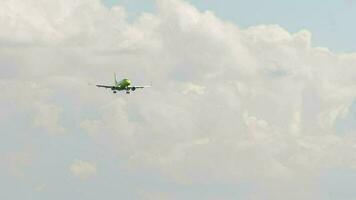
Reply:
x=122, y=85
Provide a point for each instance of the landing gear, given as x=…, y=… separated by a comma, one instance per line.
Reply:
x=114, y=92
x=127, y=92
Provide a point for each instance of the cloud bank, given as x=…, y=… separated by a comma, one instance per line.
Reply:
x=258, y=105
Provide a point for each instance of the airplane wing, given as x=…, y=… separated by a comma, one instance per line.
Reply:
x=105, y=86
x=139, y=87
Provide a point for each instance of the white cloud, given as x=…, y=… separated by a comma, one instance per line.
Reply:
x=267, y=100
x=32, y=98
x=82, y=169
x=267, y=112
x=191, y=88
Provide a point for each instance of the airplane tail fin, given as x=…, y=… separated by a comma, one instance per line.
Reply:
x=115, y=79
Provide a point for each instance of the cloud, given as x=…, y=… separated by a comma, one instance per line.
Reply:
x=228, y=104
x=82, y=169
x=265, y=96
x=34, y=99
x=195, y=89
x=267, y=112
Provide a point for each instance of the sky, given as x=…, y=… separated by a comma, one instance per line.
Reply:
x=248, y=102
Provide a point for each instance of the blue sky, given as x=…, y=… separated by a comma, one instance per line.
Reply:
x=330, y=21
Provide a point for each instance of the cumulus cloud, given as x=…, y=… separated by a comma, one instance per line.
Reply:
x=82, y=169
x=266, y=96
x=35, y=100
x=259, y=104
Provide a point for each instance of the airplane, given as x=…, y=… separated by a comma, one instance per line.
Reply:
x=124, y=84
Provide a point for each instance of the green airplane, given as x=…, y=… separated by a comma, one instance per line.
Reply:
x=123, y=85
